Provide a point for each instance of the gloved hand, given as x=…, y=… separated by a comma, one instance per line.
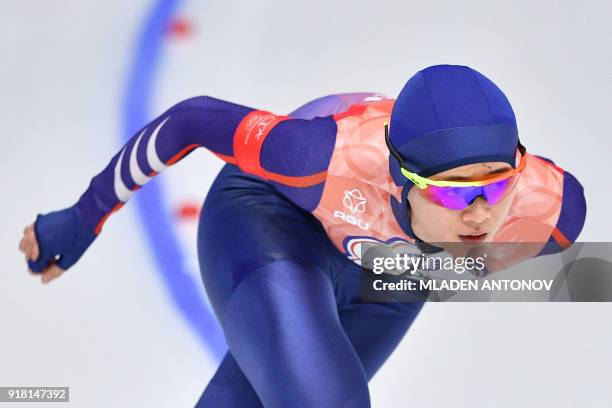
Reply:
x=55, y=241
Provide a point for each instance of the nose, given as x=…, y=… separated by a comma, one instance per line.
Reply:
x=477, y=212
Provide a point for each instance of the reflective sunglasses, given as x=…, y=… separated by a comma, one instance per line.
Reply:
x=458, y=195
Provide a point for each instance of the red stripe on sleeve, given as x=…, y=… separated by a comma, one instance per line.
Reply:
x=298, y=181
x=180, y=154
x=249, y=137
x=561, y=238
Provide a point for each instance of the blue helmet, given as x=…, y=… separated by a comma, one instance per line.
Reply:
x=448, y=116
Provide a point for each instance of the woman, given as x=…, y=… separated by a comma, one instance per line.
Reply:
x=281, y=229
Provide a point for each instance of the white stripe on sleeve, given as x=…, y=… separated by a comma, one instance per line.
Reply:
x=154, y=161
x=137, y=175
x=122, y=192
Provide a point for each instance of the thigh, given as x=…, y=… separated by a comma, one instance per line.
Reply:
x=282, y=326
x=246, y=224
x=267, y=267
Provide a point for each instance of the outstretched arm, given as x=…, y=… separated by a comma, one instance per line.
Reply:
x=292, y=154
x=289, y=157
x=199, y=121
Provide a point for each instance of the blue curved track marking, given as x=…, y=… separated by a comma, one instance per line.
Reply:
x=152, y=209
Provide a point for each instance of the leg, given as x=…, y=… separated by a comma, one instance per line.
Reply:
x=276, y=307
x=282, y=326
x=375, y=329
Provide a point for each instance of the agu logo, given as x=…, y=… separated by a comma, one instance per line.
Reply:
x=355, y=202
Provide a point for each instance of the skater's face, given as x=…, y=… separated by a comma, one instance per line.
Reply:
x=478, y=222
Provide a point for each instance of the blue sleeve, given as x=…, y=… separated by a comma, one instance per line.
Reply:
x=295, y=148
x=572, y=216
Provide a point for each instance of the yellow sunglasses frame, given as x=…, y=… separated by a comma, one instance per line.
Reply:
x=424, y=182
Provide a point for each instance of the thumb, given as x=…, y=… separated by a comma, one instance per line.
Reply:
x=51, y=273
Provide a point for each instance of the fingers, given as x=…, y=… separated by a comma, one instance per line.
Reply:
x=22, y=243
x=29, y=244
x=50, y=273
x=34, y=252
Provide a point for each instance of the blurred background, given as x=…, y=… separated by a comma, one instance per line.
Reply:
x=130, y=321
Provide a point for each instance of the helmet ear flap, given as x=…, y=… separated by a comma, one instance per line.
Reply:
x=401, y=210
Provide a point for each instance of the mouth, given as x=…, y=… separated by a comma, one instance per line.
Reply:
x=473, y=238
